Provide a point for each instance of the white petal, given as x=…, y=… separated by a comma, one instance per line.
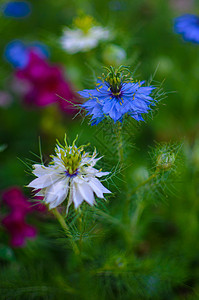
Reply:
x=98, y=188
x=95, y=172
x=86, y=192
x=78, y=179
x=58, y=201
x=53, y=204
x=60, y=198
x=57, y=193
x=44, y=181
x=90, y=171
x=100, y=174
x=77, y=197
x=41, y=170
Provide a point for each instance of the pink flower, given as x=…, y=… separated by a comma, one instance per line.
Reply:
x=15, y=222
x=18, y=229
x=45, y=82
x=15, y=199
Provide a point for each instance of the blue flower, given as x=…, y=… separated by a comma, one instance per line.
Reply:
x=115, y=96
x=17, y=53
x=188, y=26
x=17, y=9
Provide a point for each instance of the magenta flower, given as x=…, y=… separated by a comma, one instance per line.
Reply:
x=18, y=229
x=45, y=82
x=16, y=200
x=15, y=222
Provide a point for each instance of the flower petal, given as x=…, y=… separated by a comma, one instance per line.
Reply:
x=98, y=187
x=86, y=192
x=44, y=181
x=57, y=193
x=40, y=170
x=77, y=197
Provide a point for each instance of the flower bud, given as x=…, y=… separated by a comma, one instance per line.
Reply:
x=114, y=55
x=165, y=161
x=140, y=174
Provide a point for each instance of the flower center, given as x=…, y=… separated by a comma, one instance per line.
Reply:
x=71, y=160
x=84, y=23
x=71, y=175
x=71, y=157
x=117, y=94
x=114, y=78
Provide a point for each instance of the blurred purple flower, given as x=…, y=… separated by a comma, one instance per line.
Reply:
x=14, y=222
x=16, y=9
x=41, y=81
x=46, y=82
x=15, y=199
x=18, y=228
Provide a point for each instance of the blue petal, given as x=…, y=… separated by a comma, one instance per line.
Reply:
x=89, y=93
x=17, y=9
x=130, y=87
x=126, y=104
x=114, y=113
x=137, y=117
x=146, y=89
x=102, y=90
x=92, y=94
x=17, y=54
x=89, y=104
x=134, y=100
x=96, y=121
x=188, y=26
x=108, y=106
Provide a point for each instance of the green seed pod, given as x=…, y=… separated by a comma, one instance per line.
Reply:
x=165, y=161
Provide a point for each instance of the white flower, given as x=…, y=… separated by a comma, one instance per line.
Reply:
x=84, y=36
x=71, y=172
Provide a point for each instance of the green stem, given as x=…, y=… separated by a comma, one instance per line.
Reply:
x=80, y=230
x=121, y=160
x=142, y=184
x=128, y=201
x=66, y=229
x=137, y=214
x=120, y=143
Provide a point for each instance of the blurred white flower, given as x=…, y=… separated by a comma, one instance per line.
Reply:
x=71, y=172
x=84, y=36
